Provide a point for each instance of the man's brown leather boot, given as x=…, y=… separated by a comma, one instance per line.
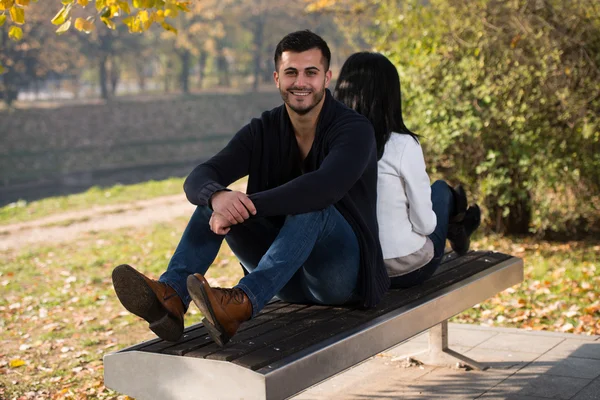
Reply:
x=154, y=301
x=224, y=309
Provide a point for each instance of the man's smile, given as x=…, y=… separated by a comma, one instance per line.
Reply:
x=300, y=92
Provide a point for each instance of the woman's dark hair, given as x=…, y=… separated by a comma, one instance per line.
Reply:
x=300, y=41
x=369, y=84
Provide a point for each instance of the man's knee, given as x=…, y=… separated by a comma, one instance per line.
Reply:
x=203, y=212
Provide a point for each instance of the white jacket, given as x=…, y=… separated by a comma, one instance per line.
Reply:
x=404, y=209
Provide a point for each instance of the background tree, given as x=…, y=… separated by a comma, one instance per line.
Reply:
x=506, y=96
x=38, y=54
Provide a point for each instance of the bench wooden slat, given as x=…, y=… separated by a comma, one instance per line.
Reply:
x=297, y=322
x=190, y=333
x=324, y=328
x=255, y=327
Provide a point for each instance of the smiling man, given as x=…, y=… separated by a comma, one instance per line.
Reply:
x=305, y=231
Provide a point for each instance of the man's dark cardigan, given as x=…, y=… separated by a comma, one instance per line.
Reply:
x=340, y=169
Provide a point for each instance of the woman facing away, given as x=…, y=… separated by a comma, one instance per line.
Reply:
x=414, y=219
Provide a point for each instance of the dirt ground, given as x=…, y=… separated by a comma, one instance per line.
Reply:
x=69, y=225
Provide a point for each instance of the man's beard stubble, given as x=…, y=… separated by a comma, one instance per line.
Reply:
x=318, y=96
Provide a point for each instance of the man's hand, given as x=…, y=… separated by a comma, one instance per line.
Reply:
x=234, y=205
x=219, y=224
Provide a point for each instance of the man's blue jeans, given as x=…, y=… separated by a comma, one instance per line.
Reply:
x=442, y=200
x=311, y=258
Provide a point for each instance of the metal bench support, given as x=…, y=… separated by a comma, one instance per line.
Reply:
x=441, y=355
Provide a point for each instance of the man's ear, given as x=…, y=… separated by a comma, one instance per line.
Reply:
x=328, y=76
x=276, y=78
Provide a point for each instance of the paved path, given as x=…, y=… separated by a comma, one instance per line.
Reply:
x=524, y=365
x=68, y=226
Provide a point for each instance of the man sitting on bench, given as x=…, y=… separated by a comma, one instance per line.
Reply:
x=306, y=230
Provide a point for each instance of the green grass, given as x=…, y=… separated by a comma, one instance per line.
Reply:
x=22, y=211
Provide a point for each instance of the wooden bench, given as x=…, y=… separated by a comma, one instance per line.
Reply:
x=289, y=347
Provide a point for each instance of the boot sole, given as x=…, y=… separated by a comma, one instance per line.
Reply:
x=200, y=298
x=139, y=299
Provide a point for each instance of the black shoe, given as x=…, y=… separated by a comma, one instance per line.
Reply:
x=472, y=219
x=460, y=204
x=459, y=233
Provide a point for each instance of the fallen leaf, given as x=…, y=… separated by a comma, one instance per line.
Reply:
x=16, y=363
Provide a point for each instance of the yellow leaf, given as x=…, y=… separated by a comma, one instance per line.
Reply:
x=64, y=27
x=109, y=23
x=129, y=21
x=125, y=7
x=100, y=4
x=15, y=33
x=1, y=69
x=84, y=25
x=22, y=2
x=105, y=12
x=171, y=10
x=168, y=27
x=6, y=4
x=83, y=3
x=184, y=6
x=16, y=363
x=17, y=14
x=2, y=19
x=62, y=15
x=143, y=16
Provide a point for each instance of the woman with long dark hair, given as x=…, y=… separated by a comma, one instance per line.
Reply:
x=415, y=219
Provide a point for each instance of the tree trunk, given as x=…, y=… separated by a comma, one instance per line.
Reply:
x=223, y=67
x=141, y=81
x=11, y=91
x=259, y=28
x=167, y=69
x=36, y=89
x=103, y=77
x=140, y=74
x=115, y=75
x=201, y=66
x=518, y=220
x=184, y=78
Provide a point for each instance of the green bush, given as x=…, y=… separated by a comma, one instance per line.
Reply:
x=506, y=96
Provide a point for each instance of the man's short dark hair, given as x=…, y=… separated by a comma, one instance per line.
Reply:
x=300, y=41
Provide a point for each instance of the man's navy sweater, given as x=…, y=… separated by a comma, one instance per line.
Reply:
x=339, y=170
